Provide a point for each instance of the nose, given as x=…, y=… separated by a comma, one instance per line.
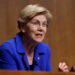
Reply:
x=40, y=28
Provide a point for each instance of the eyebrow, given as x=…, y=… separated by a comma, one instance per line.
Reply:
x=38, y=20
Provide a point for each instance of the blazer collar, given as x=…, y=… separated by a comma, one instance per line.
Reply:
x=39, y=49
x=19, y=44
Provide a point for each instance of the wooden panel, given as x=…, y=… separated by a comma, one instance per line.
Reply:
x=14, y=7
x=62, y=33
x=3, y=20
x=34, y=73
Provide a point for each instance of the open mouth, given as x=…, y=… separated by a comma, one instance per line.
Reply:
x=39, y=35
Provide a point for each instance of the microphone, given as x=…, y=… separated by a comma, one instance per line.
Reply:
x=72, y=69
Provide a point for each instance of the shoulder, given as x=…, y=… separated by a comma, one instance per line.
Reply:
x=43, y=47
x=7, y=43
x=8, y=46
x=42, y=44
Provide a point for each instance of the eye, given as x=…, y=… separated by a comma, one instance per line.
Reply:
x=45, y=24
x=35, y=22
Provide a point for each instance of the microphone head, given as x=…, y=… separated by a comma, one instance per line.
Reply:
x=72, y=69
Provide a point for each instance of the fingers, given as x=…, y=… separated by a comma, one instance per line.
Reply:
x=63, y=67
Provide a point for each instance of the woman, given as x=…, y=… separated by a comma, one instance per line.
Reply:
x=27, y=51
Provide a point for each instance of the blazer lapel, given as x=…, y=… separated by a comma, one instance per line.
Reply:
x=21, y=50
x=25, y=60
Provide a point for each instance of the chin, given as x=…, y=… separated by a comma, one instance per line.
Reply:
x=38, y=41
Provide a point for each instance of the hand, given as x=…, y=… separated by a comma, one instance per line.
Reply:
x=63, y=67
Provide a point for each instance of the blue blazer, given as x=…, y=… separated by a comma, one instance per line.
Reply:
x=13, y=56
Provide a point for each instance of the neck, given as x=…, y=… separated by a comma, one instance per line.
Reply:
x=28, y=44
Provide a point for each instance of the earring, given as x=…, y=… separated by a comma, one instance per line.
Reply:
x=23, y=31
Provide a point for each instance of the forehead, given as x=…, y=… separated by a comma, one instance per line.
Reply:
x=40, y=18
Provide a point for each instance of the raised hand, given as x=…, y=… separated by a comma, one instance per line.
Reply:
x=63, y=67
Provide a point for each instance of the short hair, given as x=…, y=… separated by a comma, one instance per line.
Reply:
x=31, y=11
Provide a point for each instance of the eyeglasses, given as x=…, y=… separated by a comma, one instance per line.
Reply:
x=37, y=23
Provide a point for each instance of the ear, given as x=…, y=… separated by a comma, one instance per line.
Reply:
x=23, y=31
x=23, y=28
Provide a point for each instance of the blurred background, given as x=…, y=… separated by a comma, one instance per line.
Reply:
x=61, y=31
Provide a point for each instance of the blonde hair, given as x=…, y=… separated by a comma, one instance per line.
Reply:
x=32, y=10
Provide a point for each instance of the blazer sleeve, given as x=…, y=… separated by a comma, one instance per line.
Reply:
x=6, y=59
x=49, y=65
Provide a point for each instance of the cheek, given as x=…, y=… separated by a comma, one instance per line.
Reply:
x=31, y=30
x=45, y=30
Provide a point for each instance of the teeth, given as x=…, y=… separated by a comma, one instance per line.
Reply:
x=39, y=34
